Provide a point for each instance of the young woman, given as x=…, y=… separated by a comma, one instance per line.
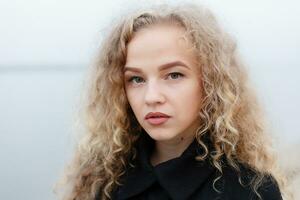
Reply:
x=170, y=115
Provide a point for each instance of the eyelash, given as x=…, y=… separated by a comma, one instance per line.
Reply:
x=176, y=73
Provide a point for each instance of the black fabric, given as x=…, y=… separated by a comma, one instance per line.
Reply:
x=184, y=178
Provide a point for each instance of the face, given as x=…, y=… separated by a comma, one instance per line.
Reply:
x=161, y=75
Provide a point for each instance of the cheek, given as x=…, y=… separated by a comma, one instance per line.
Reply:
x=134, y=100
x=189, y=92
x=188, y=99
x=196, y=99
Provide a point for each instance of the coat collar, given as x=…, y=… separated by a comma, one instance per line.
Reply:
x=180, y=176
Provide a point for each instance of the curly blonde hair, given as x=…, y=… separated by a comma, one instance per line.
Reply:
x=230, y=111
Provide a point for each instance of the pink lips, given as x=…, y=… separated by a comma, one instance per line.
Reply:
x=156, y=118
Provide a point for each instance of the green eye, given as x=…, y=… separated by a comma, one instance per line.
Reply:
x=135, y=79
x=175, y=75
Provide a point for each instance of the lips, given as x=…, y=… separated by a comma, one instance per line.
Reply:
x=156, y=115
x=157, y=118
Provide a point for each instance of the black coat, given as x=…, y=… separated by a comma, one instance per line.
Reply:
x=184, y=178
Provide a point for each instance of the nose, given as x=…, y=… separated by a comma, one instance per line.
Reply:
x=153, y=94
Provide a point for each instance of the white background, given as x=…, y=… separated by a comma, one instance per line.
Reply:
x=47, y=45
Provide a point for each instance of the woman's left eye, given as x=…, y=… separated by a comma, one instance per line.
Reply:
x=175, y=75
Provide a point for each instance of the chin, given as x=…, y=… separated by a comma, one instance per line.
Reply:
x=160, y=136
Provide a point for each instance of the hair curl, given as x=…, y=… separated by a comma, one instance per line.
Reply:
x=230, y=111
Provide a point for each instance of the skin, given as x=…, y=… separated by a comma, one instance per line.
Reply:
x=175, y=91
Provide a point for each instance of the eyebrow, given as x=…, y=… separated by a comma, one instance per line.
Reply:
x=160, y=68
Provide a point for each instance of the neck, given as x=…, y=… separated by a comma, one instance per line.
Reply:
x=166, y=150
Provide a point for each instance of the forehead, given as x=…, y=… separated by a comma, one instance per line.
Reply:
x=159, y=44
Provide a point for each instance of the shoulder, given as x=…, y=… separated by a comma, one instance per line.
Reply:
x=270, y=189
x=240, y=184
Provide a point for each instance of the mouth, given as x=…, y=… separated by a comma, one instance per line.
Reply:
x=156, y=118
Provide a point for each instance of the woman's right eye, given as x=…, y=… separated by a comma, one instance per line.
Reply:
x=135, y=79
